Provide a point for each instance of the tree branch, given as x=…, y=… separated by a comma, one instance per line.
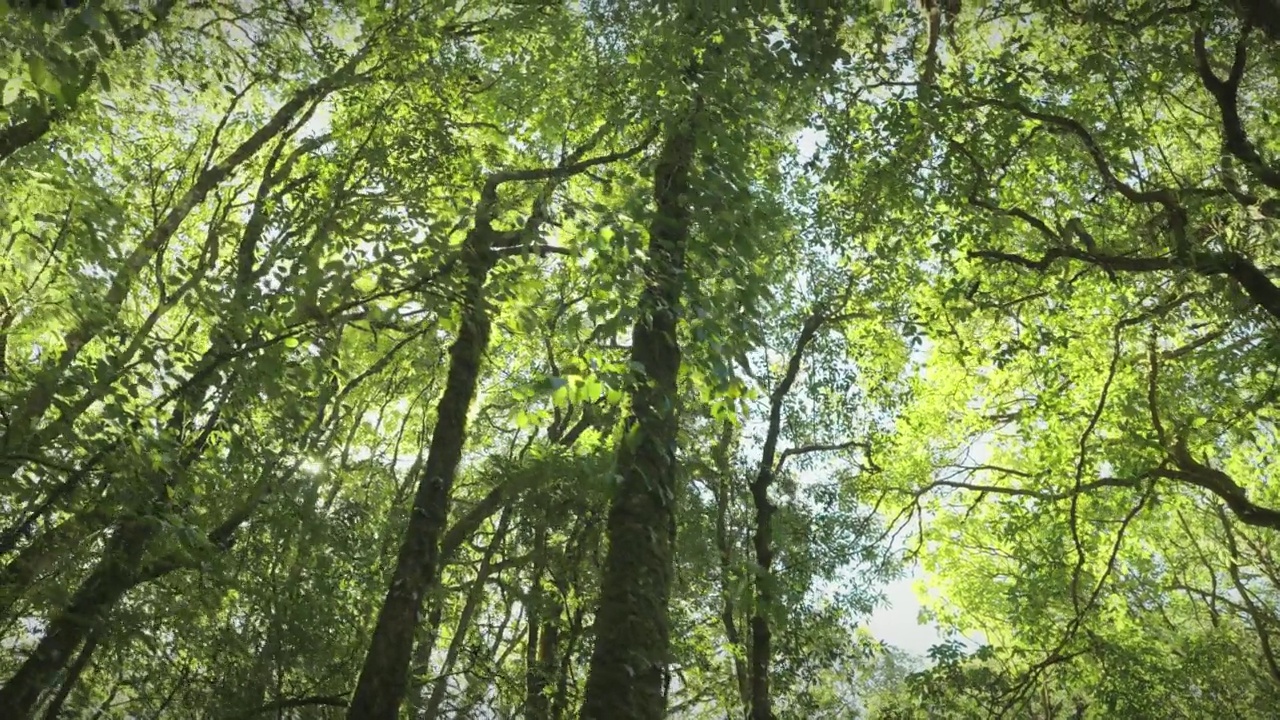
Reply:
x=1191, y=471
x=1226, y=92
x=824, y=447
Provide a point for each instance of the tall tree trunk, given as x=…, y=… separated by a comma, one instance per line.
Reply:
x=724, y=545
x=114, y=575
x=632, y=634
x=546, y=663
x=560, y=703
x=120, y=569
x=542, y=644
x=43, y=552
x=384, y=675
x=422, y=652
x=54, y=709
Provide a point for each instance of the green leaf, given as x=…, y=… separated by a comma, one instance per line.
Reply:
x=41, y=77
x=12, y=90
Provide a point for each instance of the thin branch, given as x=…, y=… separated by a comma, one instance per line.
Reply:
x=1081, y=461
x=822, y=447
x=1037, y=494
x=290, y=703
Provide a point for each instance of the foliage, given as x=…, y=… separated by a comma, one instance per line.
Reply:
x=705, y=321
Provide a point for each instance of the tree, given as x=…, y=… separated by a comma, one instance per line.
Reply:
x=536, y=359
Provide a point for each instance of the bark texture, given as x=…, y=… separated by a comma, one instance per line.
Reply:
x=629, y=661
x=384, y=676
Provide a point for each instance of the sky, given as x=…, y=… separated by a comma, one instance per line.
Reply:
x=895, y=622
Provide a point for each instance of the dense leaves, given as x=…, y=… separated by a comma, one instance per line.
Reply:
x=604, y=359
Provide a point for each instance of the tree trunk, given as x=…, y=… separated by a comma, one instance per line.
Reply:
x=762, y=538
x=113, y=576
x=546, y=663
x=54, y=709
x=761, y=633
x=632, y=634
x=543, y=636
x=42, y=553
x=385, y=673
x=724, y=545
x=474, y=598
x=384, y=676
x=422, y=652
x=560, y=702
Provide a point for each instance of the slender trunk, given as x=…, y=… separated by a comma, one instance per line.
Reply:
x=544, y=670
x=474, y=598
x=542, y=629
x=385, y=673
x=489, y=660
x=630, y=657
x=762, y=538
x=761, y=632
x=560, y=704
x=120, y=568
x=724, y=545
x=418, y=696
x=54, y=709
x=106, y=702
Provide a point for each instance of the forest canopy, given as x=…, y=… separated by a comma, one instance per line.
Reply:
x=606, y=359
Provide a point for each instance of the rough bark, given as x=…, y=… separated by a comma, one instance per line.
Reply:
x=631, y=626
x=120, y=568
x=384, y=675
